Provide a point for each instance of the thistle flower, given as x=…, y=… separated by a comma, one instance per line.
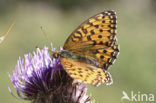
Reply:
x=41, y=79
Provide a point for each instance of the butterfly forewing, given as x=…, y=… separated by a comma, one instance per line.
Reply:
x=96, y=33
x=97, y=30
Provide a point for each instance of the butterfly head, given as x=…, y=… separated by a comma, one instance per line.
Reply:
x=56, y=54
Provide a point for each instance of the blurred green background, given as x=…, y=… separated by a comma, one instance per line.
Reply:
x=135, y=68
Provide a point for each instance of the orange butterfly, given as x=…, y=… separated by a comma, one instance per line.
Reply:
x=90, y=50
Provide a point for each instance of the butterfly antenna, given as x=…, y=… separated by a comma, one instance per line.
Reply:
x=43, y=31
x=4, y=36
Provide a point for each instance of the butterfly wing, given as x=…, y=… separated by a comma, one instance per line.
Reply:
x=86, y=73
x=95, y=39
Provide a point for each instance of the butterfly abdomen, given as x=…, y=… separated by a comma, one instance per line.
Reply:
x=88, y=61
x=70, y=55
x=67, y=54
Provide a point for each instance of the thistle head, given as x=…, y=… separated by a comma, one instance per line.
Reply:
x=40, y=78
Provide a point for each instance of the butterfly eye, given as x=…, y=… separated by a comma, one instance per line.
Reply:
x=55, y=54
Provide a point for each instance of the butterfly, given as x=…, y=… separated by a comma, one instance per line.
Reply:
x=91, y=49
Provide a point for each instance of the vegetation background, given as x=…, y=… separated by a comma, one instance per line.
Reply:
x=135, y=68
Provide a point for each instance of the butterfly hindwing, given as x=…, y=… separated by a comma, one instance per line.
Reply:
x=86, y=73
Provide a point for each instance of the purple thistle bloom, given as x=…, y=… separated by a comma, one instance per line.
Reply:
x=41, y=79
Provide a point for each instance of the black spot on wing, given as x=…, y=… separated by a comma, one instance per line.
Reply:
x=92, y=32
x=89, y=38
x=84, y=30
